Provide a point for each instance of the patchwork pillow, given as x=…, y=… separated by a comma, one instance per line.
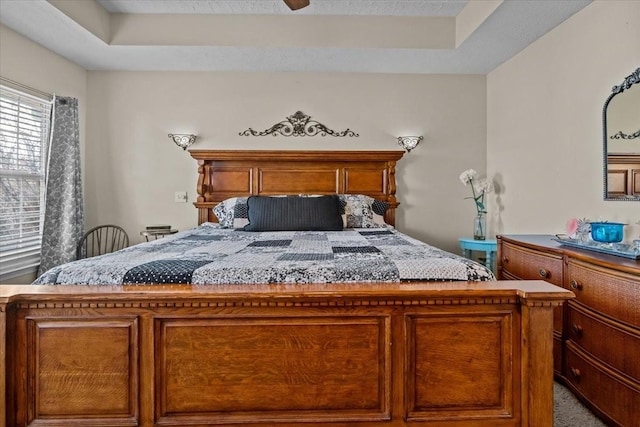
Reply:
x=357, y=210
x=294, y=213
x=232, y=213
x=360, y=211
x=379, y=208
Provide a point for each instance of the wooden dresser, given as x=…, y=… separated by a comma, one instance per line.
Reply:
x=597, y=335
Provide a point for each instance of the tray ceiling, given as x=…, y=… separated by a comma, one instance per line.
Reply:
x=378, y=36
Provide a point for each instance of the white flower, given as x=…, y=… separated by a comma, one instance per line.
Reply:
x=483, y=186
x=479, y=188
x=468, y=176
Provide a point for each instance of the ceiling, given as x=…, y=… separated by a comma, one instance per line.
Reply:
x=317, y=7
x=374, y=36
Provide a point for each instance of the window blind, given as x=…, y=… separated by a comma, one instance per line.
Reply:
x=24, y=134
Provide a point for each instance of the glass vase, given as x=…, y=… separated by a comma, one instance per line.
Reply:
x=480, y=227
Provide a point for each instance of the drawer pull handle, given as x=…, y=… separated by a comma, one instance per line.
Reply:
x=575, y=373
x=577, y=329
x=505, y=260
x=575, y=285
x=543, y=273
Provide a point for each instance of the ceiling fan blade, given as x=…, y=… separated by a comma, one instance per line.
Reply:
x=296, y=4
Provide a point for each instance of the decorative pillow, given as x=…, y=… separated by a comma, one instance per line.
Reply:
x=379, y=210
x=294, y=213
x=232, y=213
x=360, y=211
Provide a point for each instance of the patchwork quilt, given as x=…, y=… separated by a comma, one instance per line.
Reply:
x=209, y=254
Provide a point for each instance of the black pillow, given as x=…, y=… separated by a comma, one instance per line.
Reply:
x=294, y=213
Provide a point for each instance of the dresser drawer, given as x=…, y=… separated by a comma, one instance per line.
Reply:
x=614, y=344
x=528, y=264
x=610, y=292
x=506, y=274
x=622, y=404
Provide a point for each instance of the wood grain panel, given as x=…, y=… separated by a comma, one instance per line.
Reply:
x=279, y=369
x=231, y=179
x=365, y=181
x=318, y=181
x=536, y=364
x=67, y=381
x=461, y=367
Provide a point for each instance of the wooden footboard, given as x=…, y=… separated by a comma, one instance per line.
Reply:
x=437, y=354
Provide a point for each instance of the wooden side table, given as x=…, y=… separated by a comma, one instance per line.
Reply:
x=489, y=247
x=157, y=233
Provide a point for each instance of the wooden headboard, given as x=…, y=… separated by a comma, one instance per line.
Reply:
x=231, y=173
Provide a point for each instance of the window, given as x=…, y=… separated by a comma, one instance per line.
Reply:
x=24, y=136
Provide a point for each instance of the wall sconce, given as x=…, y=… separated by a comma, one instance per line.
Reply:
x=183, y=140
x=409, y=142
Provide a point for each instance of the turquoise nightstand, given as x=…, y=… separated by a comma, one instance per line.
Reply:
x=490, y=247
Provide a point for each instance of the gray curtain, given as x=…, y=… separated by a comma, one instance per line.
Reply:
x=64, y=215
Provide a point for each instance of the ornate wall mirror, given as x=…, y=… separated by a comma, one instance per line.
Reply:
x=621, y=130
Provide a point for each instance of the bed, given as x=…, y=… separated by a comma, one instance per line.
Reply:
x=330, y=351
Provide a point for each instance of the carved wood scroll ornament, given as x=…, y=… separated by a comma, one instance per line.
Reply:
x=299, y=124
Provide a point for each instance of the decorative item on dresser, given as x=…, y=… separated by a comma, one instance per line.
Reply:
x=596, y=335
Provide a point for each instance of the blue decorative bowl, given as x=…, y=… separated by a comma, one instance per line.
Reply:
x=607, y=232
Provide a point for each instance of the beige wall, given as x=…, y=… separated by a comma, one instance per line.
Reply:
x=544, y=122
x=133, y=169
x=28, y=63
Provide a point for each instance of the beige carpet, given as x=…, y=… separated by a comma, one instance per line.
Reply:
x=569, y=412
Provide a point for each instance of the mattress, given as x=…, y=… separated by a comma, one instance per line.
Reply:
x=210, y=254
